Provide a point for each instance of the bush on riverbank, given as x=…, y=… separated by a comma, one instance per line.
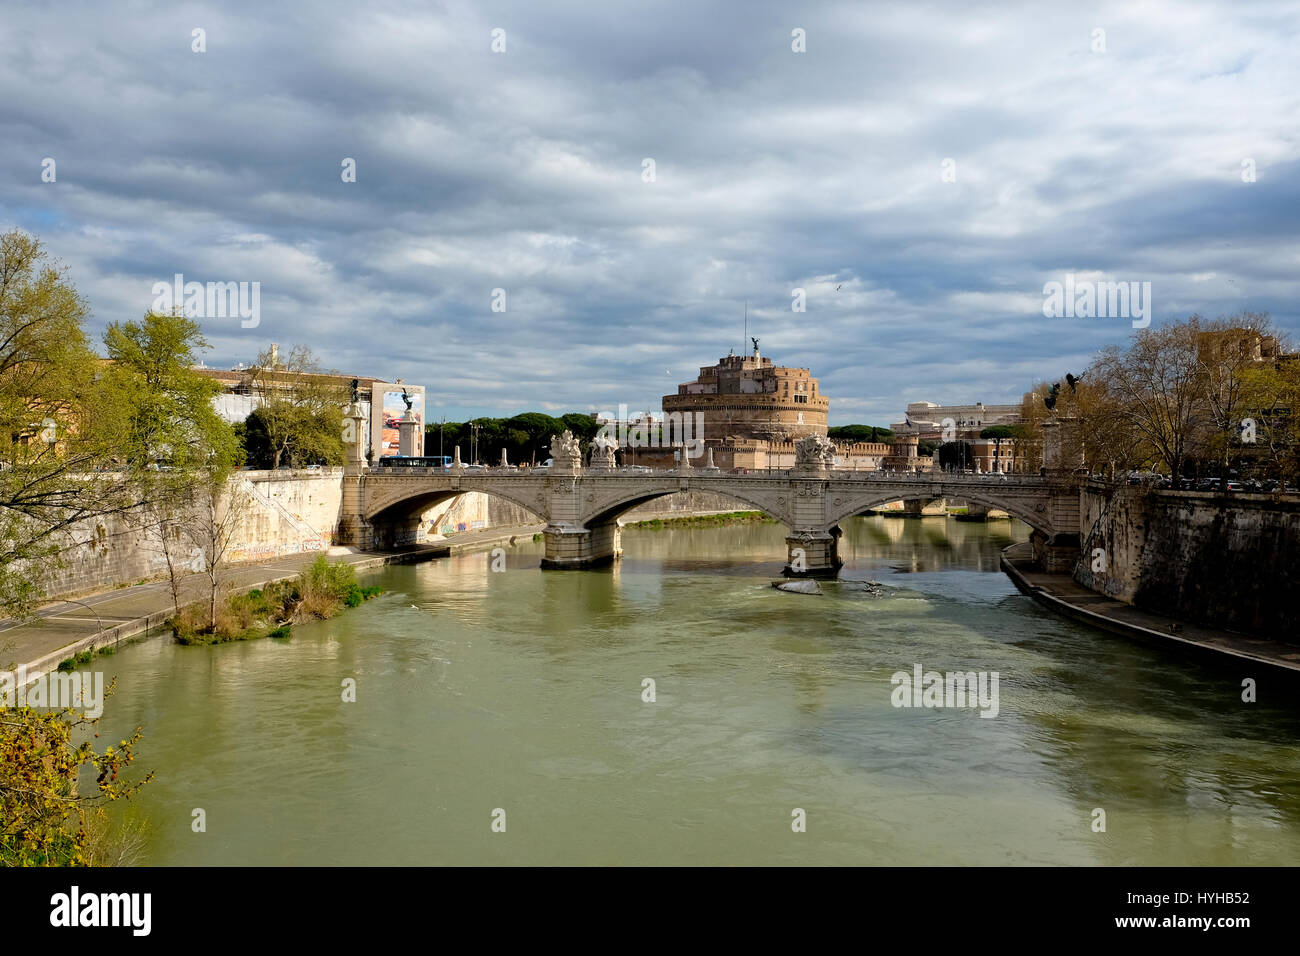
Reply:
x=321, y=591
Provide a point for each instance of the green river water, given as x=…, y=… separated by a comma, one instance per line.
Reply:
x=522, y=691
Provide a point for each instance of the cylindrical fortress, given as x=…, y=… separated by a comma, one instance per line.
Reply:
x=747, y=397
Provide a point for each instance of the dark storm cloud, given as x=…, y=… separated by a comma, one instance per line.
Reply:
x=775, y=171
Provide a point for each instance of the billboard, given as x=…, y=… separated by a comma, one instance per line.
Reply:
x=387, y=408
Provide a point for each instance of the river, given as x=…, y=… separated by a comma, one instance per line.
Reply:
x=522, y=691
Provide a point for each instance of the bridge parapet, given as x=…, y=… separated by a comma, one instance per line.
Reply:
x=581, y=509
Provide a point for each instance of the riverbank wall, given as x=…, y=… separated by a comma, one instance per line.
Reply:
x=1225, y=560
x=279, y=514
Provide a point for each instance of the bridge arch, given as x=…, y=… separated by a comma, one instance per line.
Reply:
x=395, y=516
x=1025, y=509
x=605, y=510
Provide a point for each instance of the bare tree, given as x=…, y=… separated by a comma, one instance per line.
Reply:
x=220, y=508
x=1228, y=350
x=1156, y=390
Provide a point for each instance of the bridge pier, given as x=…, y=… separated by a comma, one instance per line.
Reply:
x=1055, y=554
x=574, y=547
x=353, y=528
x=813, y=554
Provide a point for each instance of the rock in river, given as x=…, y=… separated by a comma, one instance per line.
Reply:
x=804, y=586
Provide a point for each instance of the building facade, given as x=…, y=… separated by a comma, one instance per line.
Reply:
x=927, y=420
x=243, y=389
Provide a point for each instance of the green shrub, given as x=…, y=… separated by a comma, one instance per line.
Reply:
x=319, y=592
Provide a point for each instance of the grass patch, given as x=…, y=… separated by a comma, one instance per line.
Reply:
x=704, y=521
x=81, y=657
x=321, y=591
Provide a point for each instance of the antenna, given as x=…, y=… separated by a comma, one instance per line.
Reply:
x=742, y=341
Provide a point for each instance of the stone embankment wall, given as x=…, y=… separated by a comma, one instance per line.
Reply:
x=279, y=512
x=1230, y=561
x=287, y=512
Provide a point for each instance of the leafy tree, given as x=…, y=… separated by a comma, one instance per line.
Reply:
x=857, y=433
x=58, y=438
x=538, y=428
x=300, y=412
x=163, y=408
x=998, y=431
x=175, y=447
x=584, y=427
x=44, y=819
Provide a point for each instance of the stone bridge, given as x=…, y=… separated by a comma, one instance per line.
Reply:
x=581, y=505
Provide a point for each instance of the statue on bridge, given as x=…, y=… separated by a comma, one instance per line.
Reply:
x=603, y=448
x=814, y=453
x=566, y=454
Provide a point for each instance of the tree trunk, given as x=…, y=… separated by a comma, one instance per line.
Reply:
x=212, y=603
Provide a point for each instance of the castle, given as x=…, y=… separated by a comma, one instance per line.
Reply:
x=753, y=412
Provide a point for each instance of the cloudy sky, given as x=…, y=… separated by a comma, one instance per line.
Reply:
x=1120, y=155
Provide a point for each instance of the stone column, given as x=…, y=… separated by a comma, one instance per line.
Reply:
x=355, y=456
x=353, y=529
x=1062, y=446
x=408, y=436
